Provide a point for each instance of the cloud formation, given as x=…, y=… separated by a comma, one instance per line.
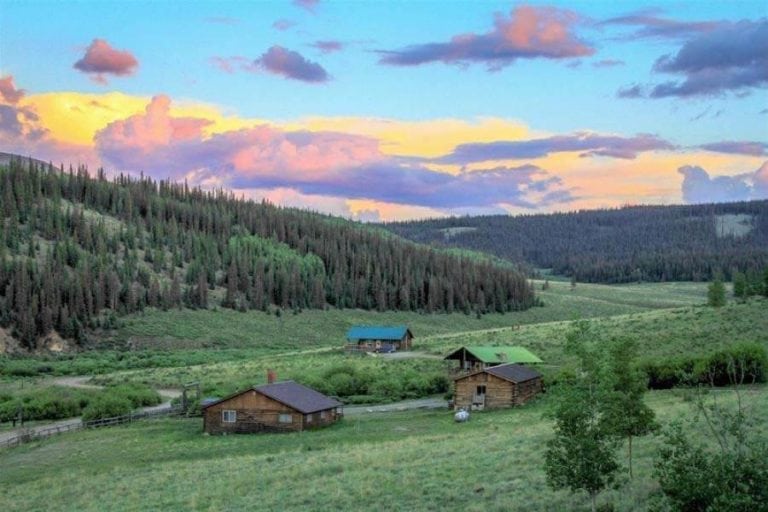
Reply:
x=591, y=144
x=734, y=57
x=289, y=64
x=328, y=46
x=283, y=24
x=699, y=187
x=608, y=63
x=651, y=26
x=308, y=5
x=528, y=33
x=738, y=147
x=313, y=163
x=8, y=91
x=101, y=59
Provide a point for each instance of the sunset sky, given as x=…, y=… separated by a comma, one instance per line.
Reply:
x=397, y=110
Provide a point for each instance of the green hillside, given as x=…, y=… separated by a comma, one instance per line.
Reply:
x=619, y=245
x=78, y=251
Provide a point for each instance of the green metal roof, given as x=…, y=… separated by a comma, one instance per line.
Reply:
x=360, y=332
x=497, y=355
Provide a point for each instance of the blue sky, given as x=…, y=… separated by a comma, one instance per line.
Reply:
x=175, y=47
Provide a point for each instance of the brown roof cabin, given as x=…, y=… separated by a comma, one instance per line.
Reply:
x=276, y=407
x=505, y=385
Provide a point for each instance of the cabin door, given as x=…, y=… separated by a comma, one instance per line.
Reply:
x=478, y=400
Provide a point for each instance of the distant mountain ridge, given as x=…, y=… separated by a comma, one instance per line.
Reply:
x=637, y=243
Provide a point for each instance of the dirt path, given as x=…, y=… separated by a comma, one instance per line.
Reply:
x=405, y=405
x=409, y=354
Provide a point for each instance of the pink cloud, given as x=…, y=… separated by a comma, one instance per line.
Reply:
x=101, y=59
x=156, y=141
x=529, y=32
x=8, y=91
x=322, y=164
x=141, y=135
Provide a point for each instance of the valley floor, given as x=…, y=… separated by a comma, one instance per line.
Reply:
x=413, y=460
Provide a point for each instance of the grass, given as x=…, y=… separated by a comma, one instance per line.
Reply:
x=398, y=461
x=225, y=328
x=659, y=334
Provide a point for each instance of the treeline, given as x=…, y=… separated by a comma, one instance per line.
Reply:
x=78, y=250
x=639, y=243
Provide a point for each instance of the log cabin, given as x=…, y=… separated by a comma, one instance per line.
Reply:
x=475, y=358
x=274, y=407
x=379, y=339
x=505, y=385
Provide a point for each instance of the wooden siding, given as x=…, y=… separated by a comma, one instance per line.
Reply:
x=498, y=392
x=258, y=413
x=373, y=345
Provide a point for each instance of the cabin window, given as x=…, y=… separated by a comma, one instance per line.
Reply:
x=322, y=415
x=285, y=418
x=229, y=416
x=480, y=390
x=309, y=418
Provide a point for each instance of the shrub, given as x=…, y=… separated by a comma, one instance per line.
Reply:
x=137, y=394
x=107, y=406
x=747, y=361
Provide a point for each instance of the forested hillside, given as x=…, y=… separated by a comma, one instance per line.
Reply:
x=639, y=243
x=77, y=250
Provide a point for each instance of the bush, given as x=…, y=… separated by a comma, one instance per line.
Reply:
x=107, y=406
x=751, y=364
x=138, y=395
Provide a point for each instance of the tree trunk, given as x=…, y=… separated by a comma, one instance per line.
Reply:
x=630, y=457
x=593, y=495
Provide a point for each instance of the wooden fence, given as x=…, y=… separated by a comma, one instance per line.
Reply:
x=32, y=434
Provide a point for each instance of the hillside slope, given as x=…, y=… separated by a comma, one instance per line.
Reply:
x=648, y=243
x=77, y=251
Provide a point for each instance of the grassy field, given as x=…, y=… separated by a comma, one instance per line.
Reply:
x=397, y=461
x=659, y=334
x=184, y=338
x=417, y=460
x=225, y=328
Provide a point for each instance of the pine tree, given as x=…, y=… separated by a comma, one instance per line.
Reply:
x=739, y=285
x=716, y=293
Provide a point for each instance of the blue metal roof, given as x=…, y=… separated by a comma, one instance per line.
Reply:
x=361, y=332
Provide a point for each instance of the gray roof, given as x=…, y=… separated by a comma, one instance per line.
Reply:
x=514, y=372
x=301, y=398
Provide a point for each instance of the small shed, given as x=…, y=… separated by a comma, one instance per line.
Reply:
x=379, y=339
x=277, y=407
x=478, y=357
x=505, y=385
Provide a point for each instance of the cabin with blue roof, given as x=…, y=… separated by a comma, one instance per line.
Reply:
x=362, y=338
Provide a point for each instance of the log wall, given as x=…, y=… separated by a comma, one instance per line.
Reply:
x=258, y=413
x=498, y=392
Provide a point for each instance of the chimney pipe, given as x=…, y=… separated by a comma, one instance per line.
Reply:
x=271, y=376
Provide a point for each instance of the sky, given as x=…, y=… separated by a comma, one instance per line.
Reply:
x=382, y=111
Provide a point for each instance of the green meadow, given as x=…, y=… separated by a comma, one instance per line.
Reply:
x=406, y=460
x=415, y=460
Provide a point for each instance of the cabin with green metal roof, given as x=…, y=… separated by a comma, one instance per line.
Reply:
x=476, y=358
x=368, y=338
